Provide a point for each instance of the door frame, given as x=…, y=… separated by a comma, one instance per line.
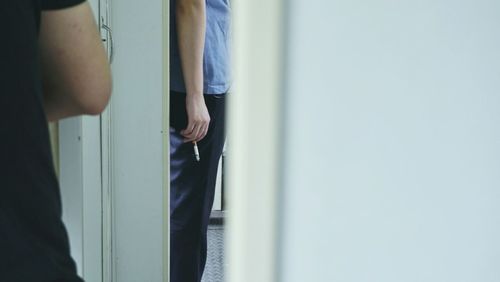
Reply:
x=135, y=145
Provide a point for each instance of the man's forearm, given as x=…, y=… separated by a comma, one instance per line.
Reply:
x=191, y=24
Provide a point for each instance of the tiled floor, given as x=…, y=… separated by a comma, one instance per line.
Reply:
x=214, y=271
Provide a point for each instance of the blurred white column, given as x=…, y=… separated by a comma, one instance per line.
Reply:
x=254, y=140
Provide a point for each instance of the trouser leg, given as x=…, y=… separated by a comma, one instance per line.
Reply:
x=192, y=187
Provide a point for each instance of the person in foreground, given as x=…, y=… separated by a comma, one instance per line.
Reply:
x=199, y=66
x=53, y=65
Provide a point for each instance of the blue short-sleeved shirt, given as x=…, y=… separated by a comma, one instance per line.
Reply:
x=216, y=60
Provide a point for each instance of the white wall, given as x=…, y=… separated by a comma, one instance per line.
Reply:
x=138, y=141
x=80, y=176
x=71, y=183
x=393, y=142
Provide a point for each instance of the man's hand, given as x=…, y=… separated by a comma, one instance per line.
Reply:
x=198, y=119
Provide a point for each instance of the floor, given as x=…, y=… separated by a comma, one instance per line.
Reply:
x=214, y=271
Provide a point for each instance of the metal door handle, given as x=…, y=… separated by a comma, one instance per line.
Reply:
x=111, y=42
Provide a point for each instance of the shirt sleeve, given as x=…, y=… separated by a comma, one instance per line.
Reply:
x=59, y=4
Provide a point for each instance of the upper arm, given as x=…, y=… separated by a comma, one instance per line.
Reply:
x=74, y=62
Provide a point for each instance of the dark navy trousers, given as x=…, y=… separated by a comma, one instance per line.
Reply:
x=192, y=187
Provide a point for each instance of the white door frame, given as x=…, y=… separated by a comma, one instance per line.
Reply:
x=106, y=127
x=135, y=132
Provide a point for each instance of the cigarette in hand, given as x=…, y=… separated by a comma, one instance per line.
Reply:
x=196, y=151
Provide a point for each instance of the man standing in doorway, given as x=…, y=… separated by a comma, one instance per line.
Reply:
x=200, y=79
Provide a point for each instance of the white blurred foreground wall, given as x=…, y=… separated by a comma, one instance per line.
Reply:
x=392, y=142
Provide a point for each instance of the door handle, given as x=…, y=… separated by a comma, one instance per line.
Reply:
x=111, y=43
